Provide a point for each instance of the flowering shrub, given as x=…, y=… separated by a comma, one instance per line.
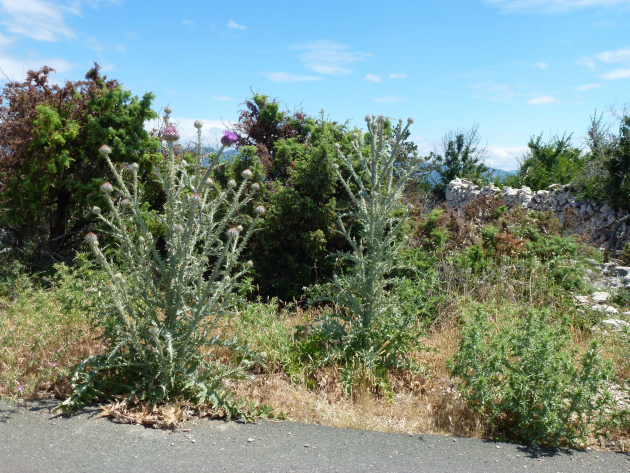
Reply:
x=161, y=325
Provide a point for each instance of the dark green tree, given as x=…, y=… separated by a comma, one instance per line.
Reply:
x=556, y=161
x=606, y=175
x=50, y=168
x=462, y=156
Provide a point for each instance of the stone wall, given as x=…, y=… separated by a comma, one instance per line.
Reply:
x=585, y=217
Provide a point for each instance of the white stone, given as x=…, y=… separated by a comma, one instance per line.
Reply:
x=611, y=310
x=616, y=324
x=582, y=299
x=600, y=297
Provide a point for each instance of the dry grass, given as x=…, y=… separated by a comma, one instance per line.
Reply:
x=420, y=405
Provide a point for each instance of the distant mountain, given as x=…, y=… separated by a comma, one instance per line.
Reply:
x=500, y=173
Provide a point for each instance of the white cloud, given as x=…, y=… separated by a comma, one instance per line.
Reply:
x=542, y=100
x=211, y=132
x=586, y=61
x=121, y=48
x=505, y=157
x=16, y=68
x=37, y=19
x=541, y=65
x=94, y=44
x=223, y=98
x=234, y=25
x=618, y=56
x=615, y=74
x=328, y=57
x=551, y=6
x=585, y=87
x=189, y=22
x=373, y=78
x=285, y=77
x=495, y=92
x=398, y=76
x=390, y=99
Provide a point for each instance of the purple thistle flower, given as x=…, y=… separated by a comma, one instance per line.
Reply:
x=170, y=133
x=91, y=238
x=19, y=388
x=54, y=364
x=232, y=232
x=229, y=138
x=104, y=150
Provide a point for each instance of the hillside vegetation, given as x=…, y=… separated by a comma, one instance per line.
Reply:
x=315, y=274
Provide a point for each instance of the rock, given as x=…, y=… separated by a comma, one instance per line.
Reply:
x=616, y=324
x=582, y=299
x=592, y=262
x=609, y=269
x=611, y=310
x=600, y=297
x=622, y=271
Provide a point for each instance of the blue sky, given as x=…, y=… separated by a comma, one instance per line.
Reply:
x=515, y=67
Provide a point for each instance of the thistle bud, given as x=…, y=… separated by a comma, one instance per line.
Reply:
x=255, y=186
x=380, y=119
x=260, y=210
x=232, y=183
x=104, y=150
x=400, y=121
x=198, y=124
x=141, y=240
x=135, y=167
x=336, y=146
x=170, y=133
x=405, y=238
x=410, y=120
x=96, y=210
x=232, y=232
x=125, y=203
x=335, y=166
x=209, y=182
x=178, y=228
x=250, y=263
x=107, y=188
x=168, y=110
x=368, y=118
x=239, y=228
x=91, y=238
x=354, y=136
x=247, y=174
x=195, y=199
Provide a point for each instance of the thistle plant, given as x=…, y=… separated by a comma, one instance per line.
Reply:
x=375, y=185
x=167, y=303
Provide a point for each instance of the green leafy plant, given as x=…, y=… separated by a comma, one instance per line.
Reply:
x=161, y=326
x=369, y=323
x=527, y=383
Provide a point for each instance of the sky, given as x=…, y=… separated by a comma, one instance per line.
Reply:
x=517, y=68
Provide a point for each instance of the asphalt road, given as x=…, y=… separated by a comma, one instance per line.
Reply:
x=33, y=439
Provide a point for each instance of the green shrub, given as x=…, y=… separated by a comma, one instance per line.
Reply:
x=554, y=162
x=527, y=383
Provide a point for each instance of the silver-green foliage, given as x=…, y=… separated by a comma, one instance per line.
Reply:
x=375, y=184
x=166, y=304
